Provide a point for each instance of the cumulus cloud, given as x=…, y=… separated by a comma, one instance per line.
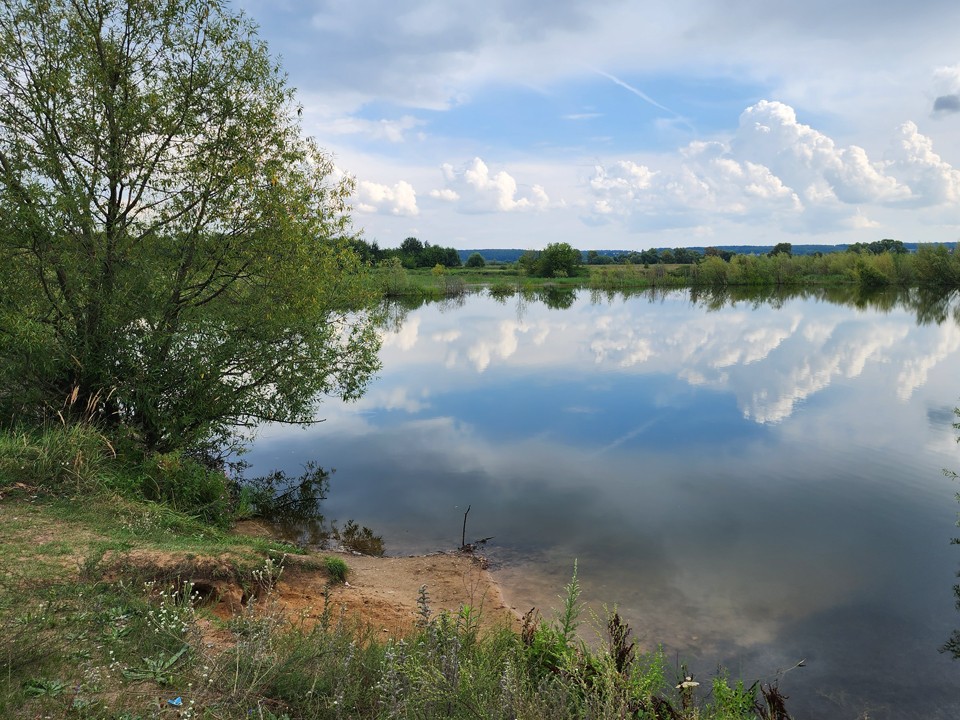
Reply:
x=916, y=369
x=399, y=199
x=931, y=179
x=406, y=337
x=774, y=169
x=802, y=157
x=475, y=190
x=483, y=351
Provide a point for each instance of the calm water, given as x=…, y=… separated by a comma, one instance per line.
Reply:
x=752, y=482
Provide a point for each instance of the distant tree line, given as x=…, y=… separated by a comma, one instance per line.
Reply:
x=412, y=253
x=690, y=256
x=879, y=247
x=654, y=256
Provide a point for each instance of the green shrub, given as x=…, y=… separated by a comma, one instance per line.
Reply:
x=337, y=568
x=186, y=485
x=359, y=539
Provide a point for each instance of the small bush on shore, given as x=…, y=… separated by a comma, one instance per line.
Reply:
x=336, y=568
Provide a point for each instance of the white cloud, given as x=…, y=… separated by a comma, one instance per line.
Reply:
x=446, y=194
x=774, y=170
x=916, y=369
x=399, y=199
x=483, y=351
x=405, y=338
x=802, y=157
x=911, y=157
x=475, y=190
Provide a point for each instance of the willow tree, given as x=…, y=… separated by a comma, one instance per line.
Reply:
x=173, y=249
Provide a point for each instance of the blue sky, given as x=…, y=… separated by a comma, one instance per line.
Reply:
x=619, y=124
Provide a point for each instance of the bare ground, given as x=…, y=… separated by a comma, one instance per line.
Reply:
x=382, y=592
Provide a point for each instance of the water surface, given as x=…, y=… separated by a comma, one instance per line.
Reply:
x=752, y=482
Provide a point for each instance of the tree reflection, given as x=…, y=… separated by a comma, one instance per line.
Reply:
x=292, y=506
x=556, y=298
x=930, y=306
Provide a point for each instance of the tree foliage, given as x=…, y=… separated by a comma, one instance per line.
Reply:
x=555, y=260
x=783, y=248
x=174, y=249
x=416, y=254
x=878, y=247
x=476, y=261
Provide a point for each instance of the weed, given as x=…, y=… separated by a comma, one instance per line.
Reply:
x=336, y=568
x=156, y=668
x=359, y=539
x=43, y=687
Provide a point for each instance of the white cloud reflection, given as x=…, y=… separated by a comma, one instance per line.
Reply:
x=770, y=360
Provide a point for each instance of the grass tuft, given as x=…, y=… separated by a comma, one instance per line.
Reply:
x=337, y=568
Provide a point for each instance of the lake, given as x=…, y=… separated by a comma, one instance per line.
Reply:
x=753, y=481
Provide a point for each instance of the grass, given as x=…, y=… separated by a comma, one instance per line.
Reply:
x=336, y=568
x=107, y=607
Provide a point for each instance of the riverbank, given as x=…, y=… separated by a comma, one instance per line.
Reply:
x=115, y=608
x=382, y=592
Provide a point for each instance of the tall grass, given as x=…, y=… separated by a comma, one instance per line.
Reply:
x=68, y=458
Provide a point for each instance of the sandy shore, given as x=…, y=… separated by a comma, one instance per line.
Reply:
x=382, y=592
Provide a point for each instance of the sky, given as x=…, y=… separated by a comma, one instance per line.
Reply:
x=618, y=124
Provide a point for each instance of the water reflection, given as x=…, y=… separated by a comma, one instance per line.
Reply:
x=751, y=478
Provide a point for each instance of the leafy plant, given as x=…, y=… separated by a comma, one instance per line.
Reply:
x=156, y=668
x=44, y=687
x=360, y=539
x=734, y=703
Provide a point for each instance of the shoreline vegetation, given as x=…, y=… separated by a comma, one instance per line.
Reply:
x=931, y=266
x=119, y=606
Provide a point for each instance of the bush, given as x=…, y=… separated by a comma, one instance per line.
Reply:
x=476, y=261
x=186, y=485
x=337, y=568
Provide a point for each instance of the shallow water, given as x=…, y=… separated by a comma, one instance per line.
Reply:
x=751, y=482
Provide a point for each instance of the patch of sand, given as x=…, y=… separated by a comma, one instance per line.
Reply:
x=382, y=592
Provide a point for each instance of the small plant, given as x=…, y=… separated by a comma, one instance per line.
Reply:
x=734, y=702
x=337, y=568
x=158, y=669
x=359, y=538
x=42, y=687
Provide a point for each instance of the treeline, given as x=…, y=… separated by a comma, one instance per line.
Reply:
x=412, y=253
x=689, y=256
x=931, y=265
x=652, y=256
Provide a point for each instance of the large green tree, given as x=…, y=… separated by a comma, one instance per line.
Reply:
x=555, y=260
x=174, y=250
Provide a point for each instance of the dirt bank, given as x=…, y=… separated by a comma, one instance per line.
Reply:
x=382, y=592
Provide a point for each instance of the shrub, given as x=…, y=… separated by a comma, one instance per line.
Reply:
x=186, y=485
x=337, y=568
x=476, y=261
